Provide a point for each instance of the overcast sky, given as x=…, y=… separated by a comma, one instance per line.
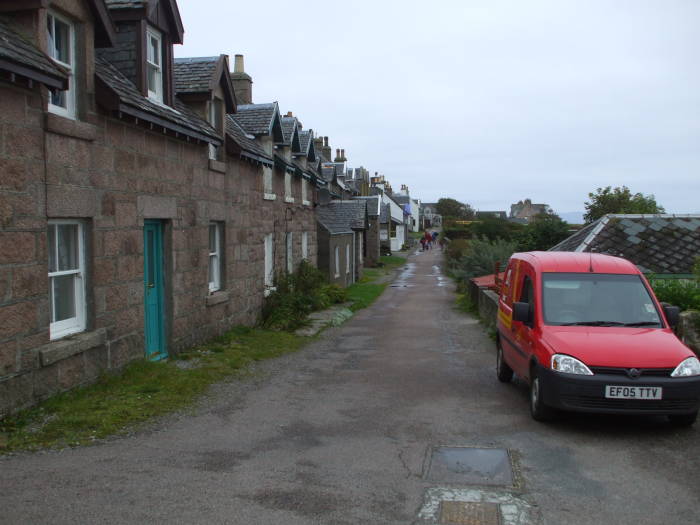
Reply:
x=485, y=101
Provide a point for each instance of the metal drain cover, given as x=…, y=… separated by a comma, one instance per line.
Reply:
x=471, y=466
x=469, y=513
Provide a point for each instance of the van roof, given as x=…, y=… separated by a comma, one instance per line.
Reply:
x=577, y=262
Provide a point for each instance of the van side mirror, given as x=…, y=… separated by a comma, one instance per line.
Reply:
x=672, y=313
x=522, y=312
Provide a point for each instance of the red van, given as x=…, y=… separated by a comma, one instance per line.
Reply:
x=588, y=335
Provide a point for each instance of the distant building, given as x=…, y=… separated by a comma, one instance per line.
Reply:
x=526, y=210
x=488, y=213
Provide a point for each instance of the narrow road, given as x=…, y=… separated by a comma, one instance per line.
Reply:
x=344, y=432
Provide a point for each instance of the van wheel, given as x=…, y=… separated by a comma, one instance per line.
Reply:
x=538, y=410
x=503, y=371
x=684, y=420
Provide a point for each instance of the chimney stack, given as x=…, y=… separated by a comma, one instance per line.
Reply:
x=242, y=82
x=326, y=150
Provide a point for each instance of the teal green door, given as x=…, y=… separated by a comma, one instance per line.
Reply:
x=154, y=322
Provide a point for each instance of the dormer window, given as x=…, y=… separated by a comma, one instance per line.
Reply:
x=216, y=119
x=154, y=64
x=61, y=48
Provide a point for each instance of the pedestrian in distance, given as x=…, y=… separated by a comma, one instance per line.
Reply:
x=422, y=244
x=428, y=239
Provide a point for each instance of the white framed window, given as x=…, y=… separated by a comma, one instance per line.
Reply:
x=215, y=259
x=305, y=192
x=269, y=264
x=305, y=245
x=337, y=261
x=216, y=112
x=288, y=197
x=290, y=252
x=347, y=258
x=61, y=48
x=360, y=247
x=66, y=249
x=154, y=64
x=267, y=183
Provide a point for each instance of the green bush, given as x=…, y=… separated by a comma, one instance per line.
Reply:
x=682, y=293
x=297, y=295
x=480, y=258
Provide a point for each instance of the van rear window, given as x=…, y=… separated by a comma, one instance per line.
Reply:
x=594, y=299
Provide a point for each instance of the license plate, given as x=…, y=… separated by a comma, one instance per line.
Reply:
x=633, y=392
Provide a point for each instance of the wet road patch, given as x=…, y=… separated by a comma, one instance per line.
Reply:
x=470, y=466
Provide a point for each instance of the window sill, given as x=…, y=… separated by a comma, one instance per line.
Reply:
x=218, y=297
x=269, y=196
x=70, y=127
x=217, y=165
x=289, y=200
x=71, y=345
x=306, y=203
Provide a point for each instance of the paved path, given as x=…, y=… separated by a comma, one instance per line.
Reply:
x=340, y=433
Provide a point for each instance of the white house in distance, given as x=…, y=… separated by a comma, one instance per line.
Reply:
x=411, y=207
x=396, y=227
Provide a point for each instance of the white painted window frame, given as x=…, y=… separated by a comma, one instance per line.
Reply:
x=288, y=197
x=289, y=244
x=305, y=192
x=69, y=111
x=215, y=259
x=156, y=95
x=305, y=245
x=269, y=267
x=65, y=327
x=336, y=253
x=268, y=190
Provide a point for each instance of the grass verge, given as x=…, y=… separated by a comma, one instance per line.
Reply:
x=365, y=292
x=117, y=403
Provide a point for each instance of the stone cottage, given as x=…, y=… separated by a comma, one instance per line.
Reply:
x=342, y=227
x=144, y=201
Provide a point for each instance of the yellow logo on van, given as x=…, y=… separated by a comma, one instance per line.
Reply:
x=505, y=318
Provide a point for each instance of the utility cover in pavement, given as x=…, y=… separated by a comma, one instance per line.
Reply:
x=469, y=513
x=470, y=466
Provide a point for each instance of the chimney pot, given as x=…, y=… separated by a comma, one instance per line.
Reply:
x=289, y=114
x=325, y=141
x=238, y=64
x=342, y=154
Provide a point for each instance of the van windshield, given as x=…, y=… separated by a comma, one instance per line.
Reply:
x=594, y=299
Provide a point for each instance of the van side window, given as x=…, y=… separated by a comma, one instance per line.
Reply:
x=506, y=285
x=527, y=294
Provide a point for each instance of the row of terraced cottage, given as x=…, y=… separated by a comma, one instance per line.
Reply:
x=146, y=203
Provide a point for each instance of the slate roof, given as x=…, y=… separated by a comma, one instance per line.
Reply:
x=193, y=75
x=401, y=199
x=660, y=244
x=305, y=141
x=289, y=124
x=256, y=119
x=385, y=214
x=15, y=49
x=179, y=118
x=373, y=209
x=246, y=142
x=342, y=216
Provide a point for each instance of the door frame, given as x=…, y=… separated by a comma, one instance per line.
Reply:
x=158, y=227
